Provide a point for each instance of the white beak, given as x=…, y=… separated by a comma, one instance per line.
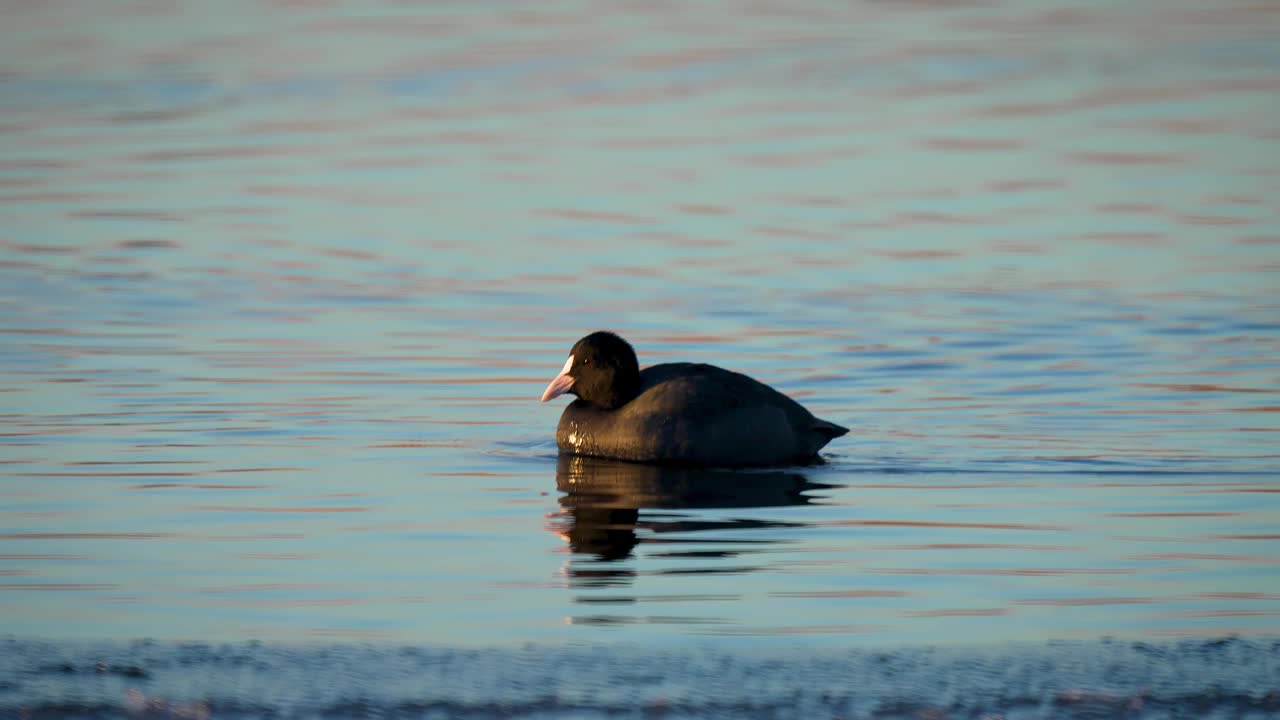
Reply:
x=562, y=383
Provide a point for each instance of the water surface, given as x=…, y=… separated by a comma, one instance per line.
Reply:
x=281, y=284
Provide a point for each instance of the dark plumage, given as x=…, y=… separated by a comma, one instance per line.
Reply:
x=686, y=413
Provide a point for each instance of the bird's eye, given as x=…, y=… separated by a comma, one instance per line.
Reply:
x=586, y=361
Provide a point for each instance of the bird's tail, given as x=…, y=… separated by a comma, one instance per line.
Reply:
x=829, y=430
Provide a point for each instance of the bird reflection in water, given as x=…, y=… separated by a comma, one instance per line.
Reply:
x=602, y=500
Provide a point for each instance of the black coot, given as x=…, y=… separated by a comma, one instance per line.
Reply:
x=686, y=413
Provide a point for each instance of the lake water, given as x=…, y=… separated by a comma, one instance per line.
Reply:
x=281, y=284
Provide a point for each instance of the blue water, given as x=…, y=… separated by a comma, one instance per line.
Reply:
x=1077, y=680
x=281, y=283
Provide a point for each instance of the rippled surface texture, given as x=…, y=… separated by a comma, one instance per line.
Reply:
x=1071, y=681
x=280, y=284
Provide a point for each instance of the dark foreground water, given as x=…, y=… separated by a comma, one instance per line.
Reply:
x=1229, y=678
